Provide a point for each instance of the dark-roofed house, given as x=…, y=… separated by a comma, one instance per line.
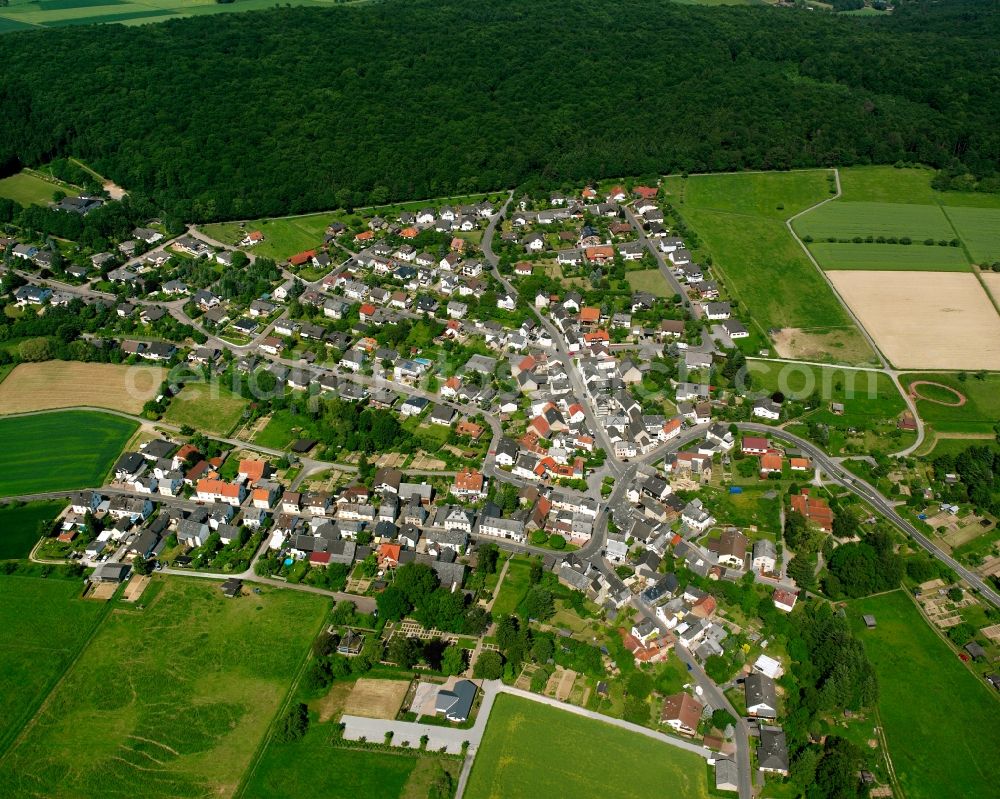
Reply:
x=762, y=700
x=456, y=704
x=772, y=752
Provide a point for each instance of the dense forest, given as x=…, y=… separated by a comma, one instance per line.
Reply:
x=291, y=110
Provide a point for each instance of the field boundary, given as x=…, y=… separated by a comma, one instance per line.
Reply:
x=850, y=312
x=265, y=740
x=13, y=736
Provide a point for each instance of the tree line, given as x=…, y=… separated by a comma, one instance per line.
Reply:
x=292, y=110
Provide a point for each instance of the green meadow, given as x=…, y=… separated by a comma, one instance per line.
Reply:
x=168, y=700
x=942, y=724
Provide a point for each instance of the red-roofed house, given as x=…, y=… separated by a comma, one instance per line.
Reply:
x=469, y=483
x=209, y=490
x=590, y=315
x=302, y=257
x=366, y=311
x=540, y=426
x=388, y=555
x=645, y=192
x=252, y=470
x=671, y=429
x=755, y=446
x=784, y=600
x=815, y=510
x=770, y=462
x=366, y=235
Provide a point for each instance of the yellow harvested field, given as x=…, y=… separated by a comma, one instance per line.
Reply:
x=376, y=699
x=992, y=281
x=925, y=320
x=65, y=384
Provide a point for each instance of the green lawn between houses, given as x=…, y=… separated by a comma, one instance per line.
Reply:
x=514, y=587
x=59, y=451
x=866, y=393
x=649, y=280
x=741, y=221
x=19, y=526
x=531, y=750
x=167, y=701
x=44, y=624
x=283, y=237
x=941, y=723
x=212, y=408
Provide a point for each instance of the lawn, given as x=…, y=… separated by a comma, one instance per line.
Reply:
x=514, y=587
x=45, y=624
x=282, y=237
x=314, y=767
x=978, y=415
x=27, y=188
x=19, y=526
x=887, y=184
x=520, y=756
x=934, y=753
x=740, y=219
x=66, y=384
x=209, y=407
x=871, y=394
x=59, y=451
x=890, y=256
x=172, y=700
x=649, y=280
x=283, y=428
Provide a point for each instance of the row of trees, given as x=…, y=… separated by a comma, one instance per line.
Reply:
x=364, y=121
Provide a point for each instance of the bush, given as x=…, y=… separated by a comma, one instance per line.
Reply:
x=294, y=725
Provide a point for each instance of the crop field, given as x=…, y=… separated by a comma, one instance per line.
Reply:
x=57, y=13
x=913, y=257
x=172, y=700
x=740, y=219
x=886, y=184
x=211, y=408
x=45, y=623
x=27, y=188
x=850, y=219
x=992, y=283
x=520, y=757
x=59, y=451
x=64, y=384
x=19, y=526
x=934, y=753
x=979, y=229
x=939, y=320
x=979, y=413
x=649, y=280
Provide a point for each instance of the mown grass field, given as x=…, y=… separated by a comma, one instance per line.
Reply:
x=44, y=625
x=26, y=188
x=514, y=587
x=281, y=429
x=64, y=384
x=57, y=13
x=978, y=415
x=741, y=221
x=521, y=757
x=649, y=280
x=169, y=701
x=890, y=256
x=941, y=723
x=59, y=451
x=283, y=237
x=314, y=767
x=212, y=408
x=861, y=393
x=19, y=526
